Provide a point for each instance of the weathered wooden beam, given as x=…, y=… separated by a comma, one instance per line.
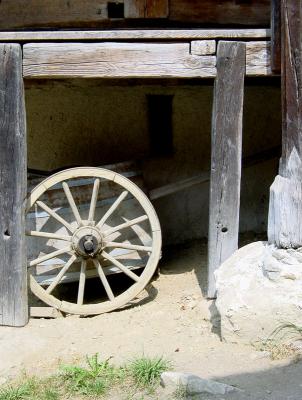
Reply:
x=115, y=60
x=258, y=58
x=53, y=13
x=225, y=157
x=13, y=272
x=135, y=34
x=203, y=47
x=239, y=12
x=157, y=9
x=285, y=208
x=135, y=9
x=276, y=35
x=131, y=60
x=94, y=13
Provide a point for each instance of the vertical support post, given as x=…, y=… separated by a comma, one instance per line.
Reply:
x=225, y=157
x=285, y=208
x=13, y=171
x=276, y=36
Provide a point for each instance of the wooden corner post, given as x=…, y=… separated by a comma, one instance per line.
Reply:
x=225, y=157
x=13, y=175
x=285, y=208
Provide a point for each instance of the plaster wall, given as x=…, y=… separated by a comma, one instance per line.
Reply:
x=93, y=123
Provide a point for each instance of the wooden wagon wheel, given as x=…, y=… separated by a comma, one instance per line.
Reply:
x=90, y=240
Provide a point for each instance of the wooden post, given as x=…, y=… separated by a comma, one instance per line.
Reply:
x=13, y=175
x=276, y=36
x=285, y=209
x=226, y=157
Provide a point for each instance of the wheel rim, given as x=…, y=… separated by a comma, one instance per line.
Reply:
x=89, y=240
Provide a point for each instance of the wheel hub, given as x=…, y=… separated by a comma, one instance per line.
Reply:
x=87, y=241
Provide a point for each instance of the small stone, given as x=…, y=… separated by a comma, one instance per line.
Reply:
x=2, y=380
x=260, y=354
x=193, y=384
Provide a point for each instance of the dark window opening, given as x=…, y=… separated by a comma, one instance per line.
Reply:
x=115, y=10
x=160, y=124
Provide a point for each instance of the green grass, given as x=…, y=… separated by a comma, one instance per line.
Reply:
x=95, y=380
x=146, y=371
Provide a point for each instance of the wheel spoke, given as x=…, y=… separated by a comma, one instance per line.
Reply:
x=126, y=270
x=55, y=215
x=49, y=256
x=72, y=203
x=60, y=274
x=48, y=235
x=114, y=206
x=126, y=224
x=82, y=283
x=94, y=197
x=104, y=279
x=128, y=246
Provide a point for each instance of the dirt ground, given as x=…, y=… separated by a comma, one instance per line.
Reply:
x=171, y=319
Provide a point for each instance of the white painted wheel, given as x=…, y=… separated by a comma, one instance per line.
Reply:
x=91, y=240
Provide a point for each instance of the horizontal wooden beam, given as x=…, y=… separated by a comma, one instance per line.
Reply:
x=258, y=58
x=135, y=34
x=131, y=60
x=95, y=13
x=115, y=60
x=51, y=13
x=239, y=12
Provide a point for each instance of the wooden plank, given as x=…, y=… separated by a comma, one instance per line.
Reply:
x=258, y=58
x=135, y=9
x=203, y=47
x=45, y=312
x=225, y=157
x=285, y=208
x=239, y=12
x=114, y=60
x=53, y=13
x=157, y=9
x=135, y=34
x=94, y=13
x=13, y=273
x=118, y=60
x=276, y=35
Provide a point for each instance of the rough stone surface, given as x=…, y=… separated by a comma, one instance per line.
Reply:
x=193, y=384
x=258, y=288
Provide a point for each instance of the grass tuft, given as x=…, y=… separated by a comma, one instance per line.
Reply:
x=97, y=379
x=146, y=371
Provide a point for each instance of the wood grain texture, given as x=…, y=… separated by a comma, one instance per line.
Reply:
x=134, y=9
x=142, y=60
x=276, y=35
x=94, y=13
x=114, y=60
x=258, y=58
x=51, y=13
x=135, y=34
x=225, y=157
x=285, y=207
x=291, y=80
x=241, y=12
x=203, y=47
x=157, y=9
x=13, y=157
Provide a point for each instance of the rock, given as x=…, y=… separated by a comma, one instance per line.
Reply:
x=258, y=288
x=193, y=384
x=258, y=355
x=2, y=380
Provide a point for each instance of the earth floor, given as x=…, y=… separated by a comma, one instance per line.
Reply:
x=170, y=318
